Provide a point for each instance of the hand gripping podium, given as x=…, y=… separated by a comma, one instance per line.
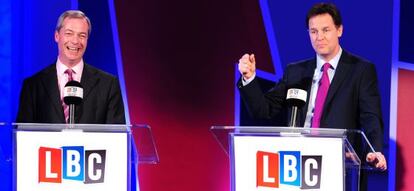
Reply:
x=285, y=158
x=82, y=157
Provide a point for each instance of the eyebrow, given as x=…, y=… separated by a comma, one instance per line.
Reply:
x=70, y=30
x=325, y=27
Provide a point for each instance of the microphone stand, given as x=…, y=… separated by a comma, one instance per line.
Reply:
x=293, y=116
x=71, y=115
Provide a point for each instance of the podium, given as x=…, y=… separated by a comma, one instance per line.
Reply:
x=286, y=158
x=83, y=157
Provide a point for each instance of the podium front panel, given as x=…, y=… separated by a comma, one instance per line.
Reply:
x=263, y=162
x=71, y=160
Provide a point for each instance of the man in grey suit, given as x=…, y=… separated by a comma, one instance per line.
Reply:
x=351, y=99
x=42, y=94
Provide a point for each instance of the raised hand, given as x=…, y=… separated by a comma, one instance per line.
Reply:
x=247, y=66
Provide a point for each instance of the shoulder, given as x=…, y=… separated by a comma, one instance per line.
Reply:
x=306, y=64
x=98, y=73
x=49, y=70
x=348, y=57
x=303, y=62
x=94, y=75
x=357, y=64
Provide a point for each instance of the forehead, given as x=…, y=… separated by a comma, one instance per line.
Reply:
x=321, y=21
x=75, y=24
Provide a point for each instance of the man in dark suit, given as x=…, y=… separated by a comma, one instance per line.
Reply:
x=351, y=99
x=42, y=94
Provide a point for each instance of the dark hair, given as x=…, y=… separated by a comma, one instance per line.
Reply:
x=324, y=8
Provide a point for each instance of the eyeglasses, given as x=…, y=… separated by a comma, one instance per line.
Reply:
x=324, y=32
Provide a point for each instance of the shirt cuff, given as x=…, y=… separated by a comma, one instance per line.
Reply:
x=246, y=82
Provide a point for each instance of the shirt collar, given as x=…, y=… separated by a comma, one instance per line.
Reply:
x=334, y=61
x=61, y=68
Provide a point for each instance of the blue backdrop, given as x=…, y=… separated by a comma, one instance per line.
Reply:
x=367, y=32
x=27, y=45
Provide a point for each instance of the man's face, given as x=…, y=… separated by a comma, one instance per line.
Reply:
x=324, y=36
x=72, y=40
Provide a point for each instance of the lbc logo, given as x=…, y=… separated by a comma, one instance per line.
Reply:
x=77, y=164
x=288, y=168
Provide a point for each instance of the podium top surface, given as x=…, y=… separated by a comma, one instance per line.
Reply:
x=143, y=140
x=282, y=131
x=80, y=127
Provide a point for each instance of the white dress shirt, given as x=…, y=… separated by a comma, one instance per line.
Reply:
x=63, y=77
x=317, y=75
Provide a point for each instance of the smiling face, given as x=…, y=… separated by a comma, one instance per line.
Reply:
x=324, y=35
x=72, y=40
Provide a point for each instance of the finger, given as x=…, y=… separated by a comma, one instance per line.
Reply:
x=381, y=162
x=252, y=59
x=370, y=157
x=380, y=157
x=243, y=68
x=245, y=57
x=381, y=165
x=244, y=60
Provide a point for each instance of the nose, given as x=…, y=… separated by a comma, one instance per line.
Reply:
x=320, y=36
x=75, y=39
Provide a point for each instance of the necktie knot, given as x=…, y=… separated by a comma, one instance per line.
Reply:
x=326, y=67
x=69, y=72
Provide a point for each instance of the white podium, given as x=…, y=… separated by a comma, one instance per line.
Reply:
x=284, y=158
x=82, y=157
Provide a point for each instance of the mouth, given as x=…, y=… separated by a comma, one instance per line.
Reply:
x=320, y=45
x=73, y=49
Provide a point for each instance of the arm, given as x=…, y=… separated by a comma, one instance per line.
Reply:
x=260, y=105
x=115, y=111
x=370, y=118
x=26, y=111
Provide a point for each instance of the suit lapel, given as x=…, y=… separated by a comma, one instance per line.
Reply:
x=343, y=70
x=50, y=82
x=308, y=74
x=88, y=82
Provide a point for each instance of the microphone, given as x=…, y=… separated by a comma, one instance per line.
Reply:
x=72, y=95
x=296, y=98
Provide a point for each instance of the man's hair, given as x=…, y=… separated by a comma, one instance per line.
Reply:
x=324, y=8
x=73, y=14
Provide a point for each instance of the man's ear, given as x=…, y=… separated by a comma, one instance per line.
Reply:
x=340, y=30
x=56, y=36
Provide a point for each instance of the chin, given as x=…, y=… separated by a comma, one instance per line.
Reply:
x=72, y=56
x=73, y=59
x=323, y=53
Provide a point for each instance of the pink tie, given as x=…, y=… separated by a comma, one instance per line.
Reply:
x=69, y=72
x=321, y=96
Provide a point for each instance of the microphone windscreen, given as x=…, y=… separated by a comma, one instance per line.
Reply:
x=296, y=97
x=73, y=93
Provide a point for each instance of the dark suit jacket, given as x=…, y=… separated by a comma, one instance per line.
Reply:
x=353, y=100
x=102, y=101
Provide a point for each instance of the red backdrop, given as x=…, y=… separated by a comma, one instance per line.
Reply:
x=405, y=141
x=179, y=60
